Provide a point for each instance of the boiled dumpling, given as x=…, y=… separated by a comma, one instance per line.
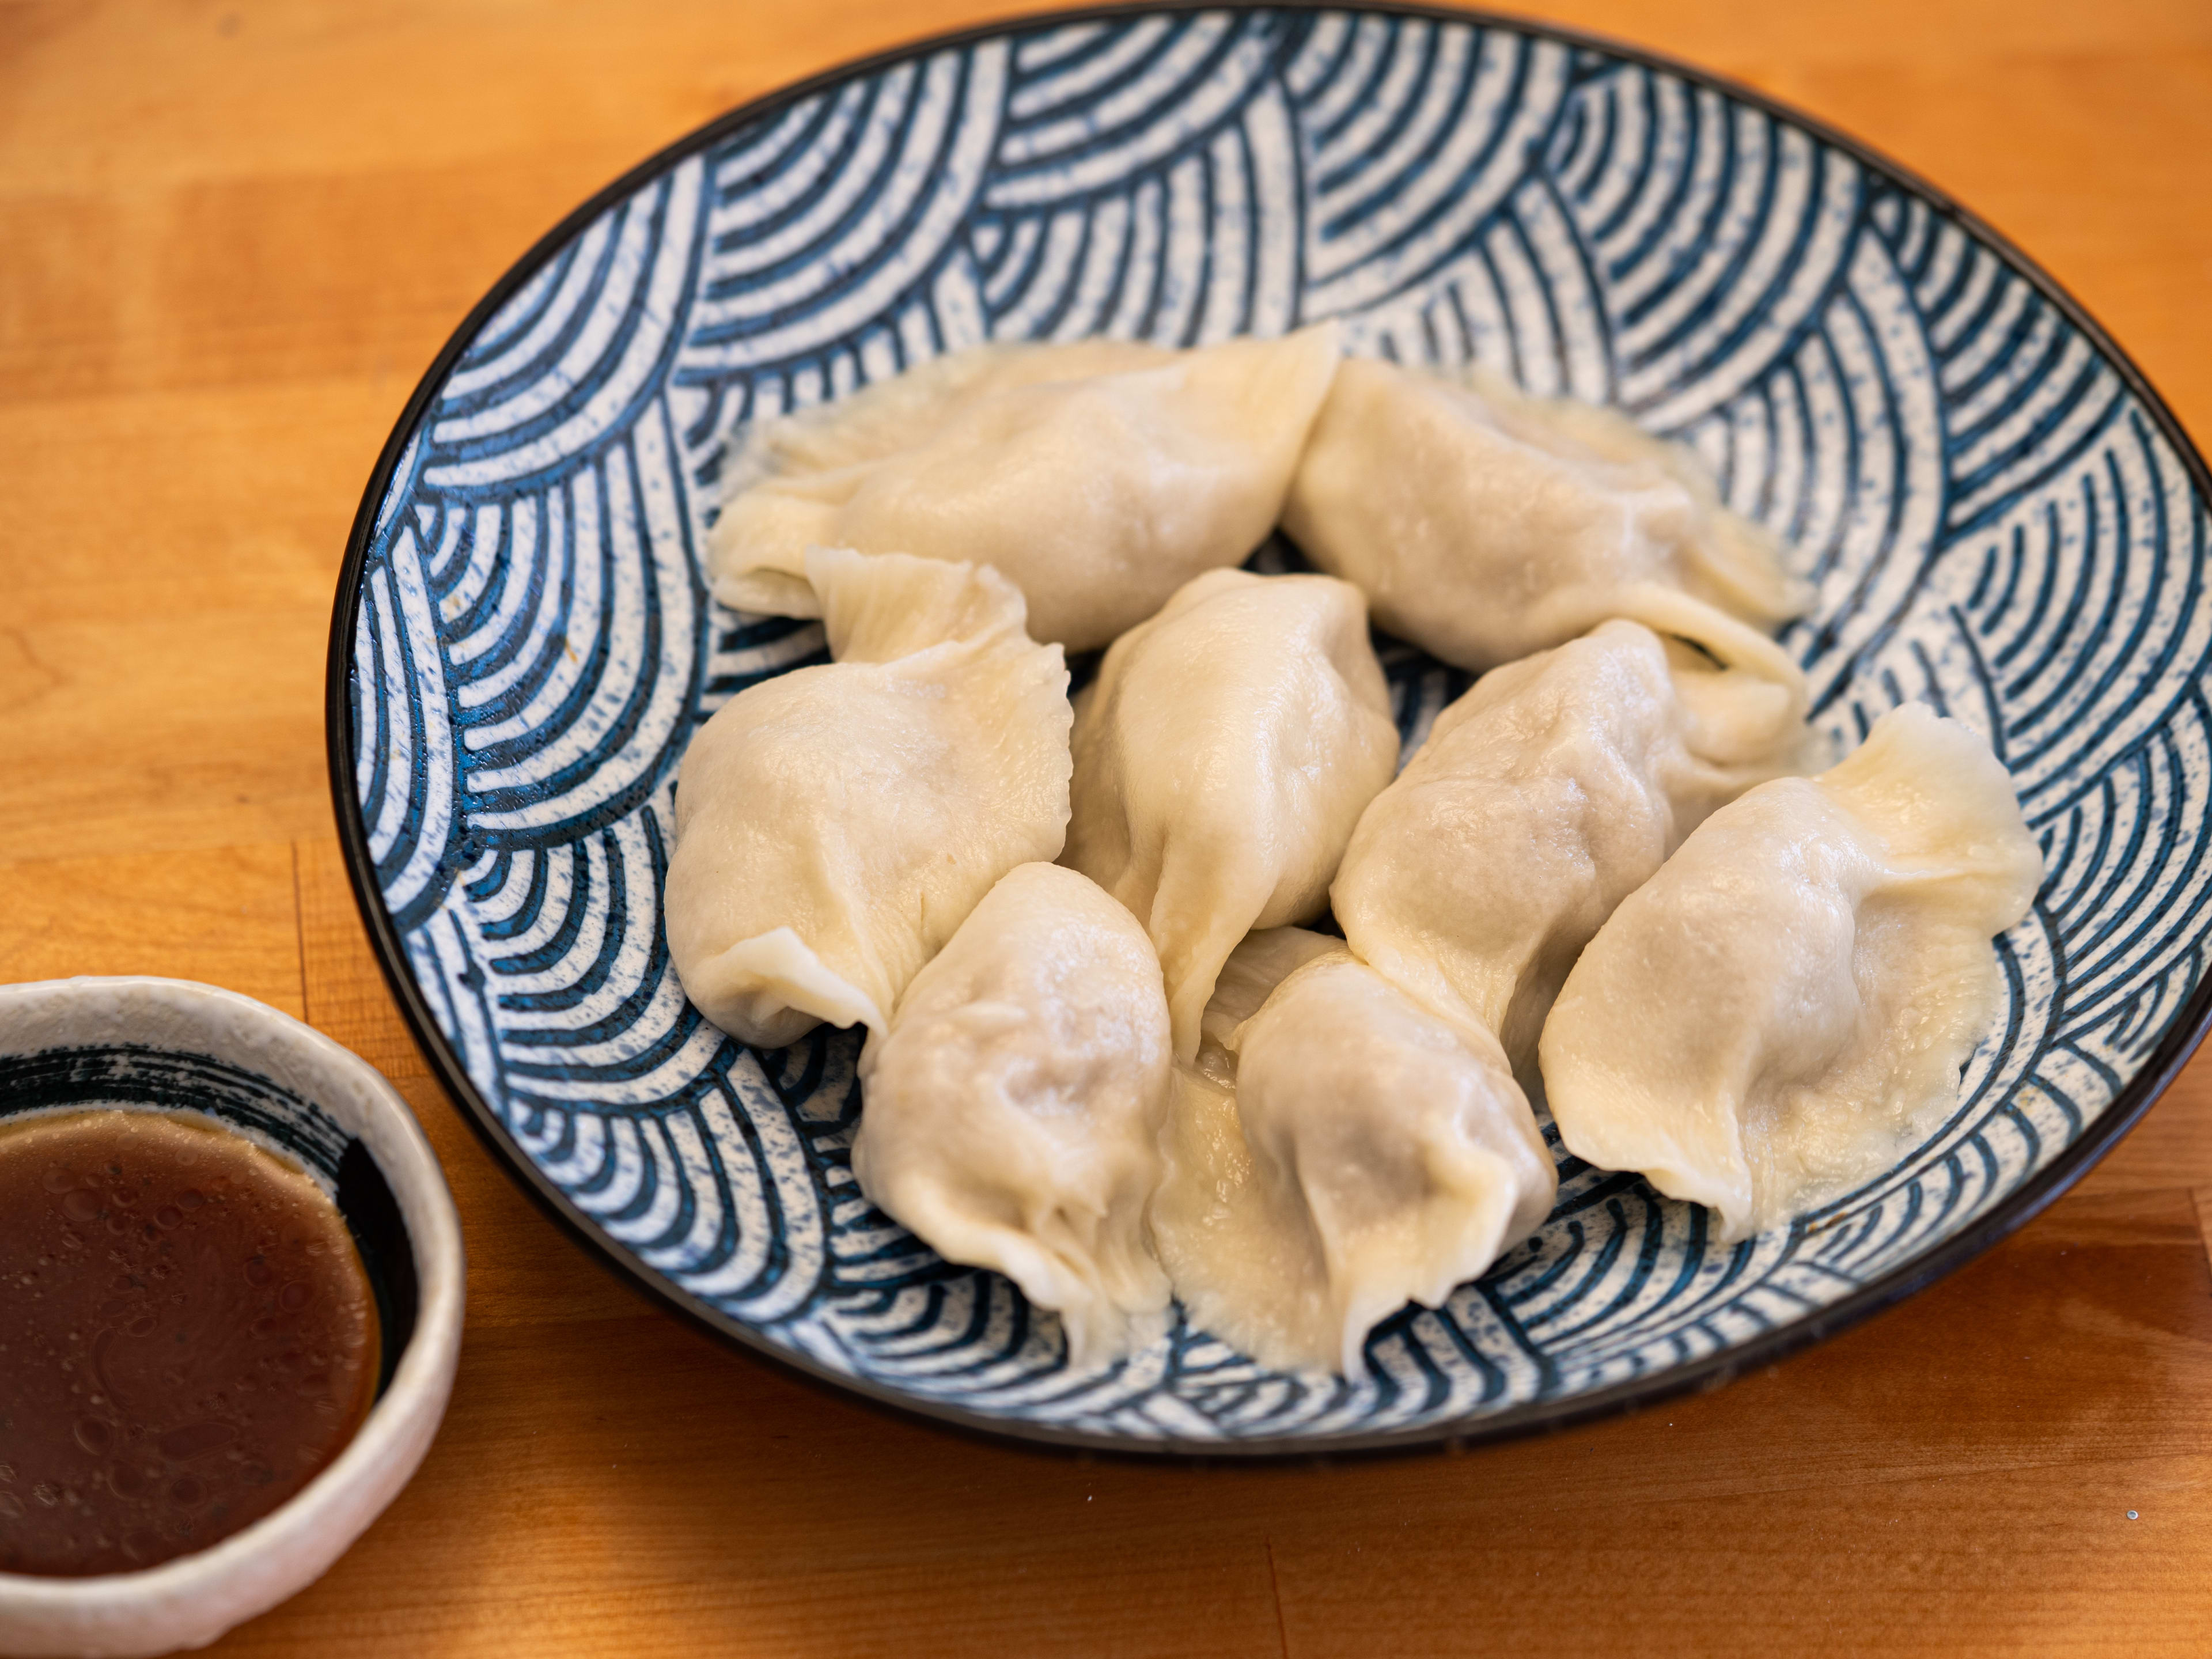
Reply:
x=1399, y=1138
x=1364, y=1153
x=1542, y=797
x=1483, y=525
x=1097, y=475
x=1784, y=1008
x=1011, y=1111
x=835, y=824
x=1221, y=758
x=1207, y=1233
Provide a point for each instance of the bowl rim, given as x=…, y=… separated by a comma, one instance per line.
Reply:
x=272, y=1558
x=2014, y=1211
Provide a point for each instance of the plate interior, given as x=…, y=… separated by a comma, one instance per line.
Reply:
x=1996, y=518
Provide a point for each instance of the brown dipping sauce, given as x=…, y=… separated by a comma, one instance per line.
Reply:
x=186, y=1336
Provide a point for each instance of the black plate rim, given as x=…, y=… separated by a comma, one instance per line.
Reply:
x=2007, y=1217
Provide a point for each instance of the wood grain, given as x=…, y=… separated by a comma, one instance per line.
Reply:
x=231, y=236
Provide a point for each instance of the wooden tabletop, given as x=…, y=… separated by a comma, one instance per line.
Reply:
x=233, y=234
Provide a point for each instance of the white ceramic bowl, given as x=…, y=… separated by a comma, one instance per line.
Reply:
x=160, y=1043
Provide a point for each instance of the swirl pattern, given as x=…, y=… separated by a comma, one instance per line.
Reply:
x=1994, y=522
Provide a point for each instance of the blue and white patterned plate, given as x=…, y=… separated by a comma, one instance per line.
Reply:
x=1999, y=515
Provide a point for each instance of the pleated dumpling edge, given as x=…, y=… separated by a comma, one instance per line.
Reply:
x=835, y=824
x=1097, y=475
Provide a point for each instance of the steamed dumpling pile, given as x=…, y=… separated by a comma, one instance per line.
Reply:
x=1384, y=1151
x=1599, y=878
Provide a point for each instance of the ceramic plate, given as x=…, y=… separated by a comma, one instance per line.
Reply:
x=1999, y=516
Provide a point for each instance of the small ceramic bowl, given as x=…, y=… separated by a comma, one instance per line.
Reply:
x=170, y=1044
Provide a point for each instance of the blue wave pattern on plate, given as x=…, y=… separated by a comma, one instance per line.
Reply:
x=1992, y=523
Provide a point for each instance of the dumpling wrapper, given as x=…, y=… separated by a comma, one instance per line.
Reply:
x=833, y=825
x=1012, y=1110
x=1359, y=1152
x=1543, y=797
x=1205, y=1231
x=1778, y=1014
x=1261, y=962
x=1484, y=525
x=1098, y=475
x=1222, y=757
